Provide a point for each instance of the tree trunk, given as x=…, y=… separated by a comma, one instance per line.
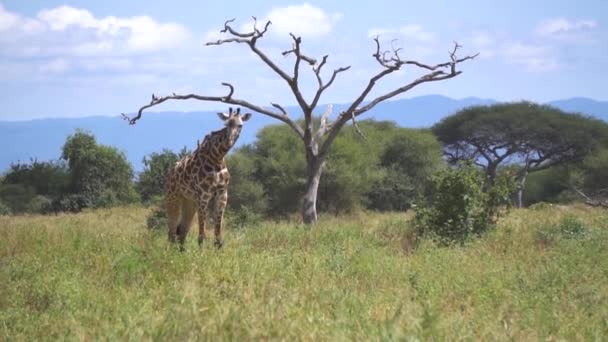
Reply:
x=521, y=182
x=490, y=176
x=309, y=205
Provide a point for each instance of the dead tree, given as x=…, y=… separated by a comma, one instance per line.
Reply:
x=317, y=140
x=598, y=199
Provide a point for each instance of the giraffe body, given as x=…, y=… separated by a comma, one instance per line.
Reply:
x=198, y=183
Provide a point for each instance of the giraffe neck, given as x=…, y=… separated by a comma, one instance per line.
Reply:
x=214, y=147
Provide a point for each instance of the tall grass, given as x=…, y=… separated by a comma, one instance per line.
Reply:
x=103, y=275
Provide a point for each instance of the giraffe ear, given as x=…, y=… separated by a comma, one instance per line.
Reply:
x=246, y=117
x=223, y=116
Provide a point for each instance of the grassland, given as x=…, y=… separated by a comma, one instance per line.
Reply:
x=541, y=275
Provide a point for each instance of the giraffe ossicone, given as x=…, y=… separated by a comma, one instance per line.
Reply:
x=199, y=182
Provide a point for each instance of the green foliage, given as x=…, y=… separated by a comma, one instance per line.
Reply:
x=571, y=227
x=17, y=196
x=245, y=192
x=280, y=168
x=408, y=160
x=546, y=185
x=568, y=228
x=39, y=205
x=157, y=219
x=5, y=209
x=46, y=178
x=101, y=174
x=385, y=171
x=30, y=187
x=536, y=136
x=151, y=181
x=242, y=218
x=459, y=208
x=594, y=171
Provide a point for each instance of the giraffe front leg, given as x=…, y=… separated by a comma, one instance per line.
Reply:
x=221, y=201
x=203, y=203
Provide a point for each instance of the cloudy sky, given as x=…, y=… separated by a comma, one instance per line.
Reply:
x=71, y=58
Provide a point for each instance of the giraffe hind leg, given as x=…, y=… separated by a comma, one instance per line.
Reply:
x=173, y=214
x=187, y=214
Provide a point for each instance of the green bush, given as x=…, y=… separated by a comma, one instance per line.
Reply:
x=4, y=209
x=244, y=217
x=39, y=205
x=569, y=227
x=458, y=207
x=157, y=219
x=72, y=203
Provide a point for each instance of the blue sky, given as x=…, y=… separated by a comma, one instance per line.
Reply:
x=83, y=57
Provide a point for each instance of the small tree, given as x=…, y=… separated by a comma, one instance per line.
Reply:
x=100, y=175
x=317, y=139
x=151, y=181
x=459, y=207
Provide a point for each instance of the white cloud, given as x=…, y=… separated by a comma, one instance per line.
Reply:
x=305, y=20
x=69, y=31
x=557, y=26
x=410, y=32
x=572, y=31
x=535, y=58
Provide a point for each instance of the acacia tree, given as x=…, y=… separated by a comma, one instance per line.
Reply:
x=534, y=136
x=317, y=139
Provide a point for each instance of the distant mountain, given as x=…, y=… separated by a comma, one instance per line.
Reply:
x=583, y=105
x=42, y=139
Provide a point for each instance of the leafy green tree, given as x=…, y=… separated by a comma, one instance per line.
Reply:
x=47, y=178
x=246, y=193
x=535, y=136
x=101, y=174
x=409, y=159
x=547, y=185
x=152, y=179
x=17, y=196
x=40, y=182
x=589, y=180
x=280, y=168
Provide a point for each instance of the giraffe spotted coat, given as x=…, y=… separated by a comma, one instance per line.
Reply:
x=199, y=182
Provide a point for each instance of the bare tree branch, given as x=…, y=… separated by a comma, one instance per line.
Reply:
x=279, y=107
x=224, y=99
x=390, y=65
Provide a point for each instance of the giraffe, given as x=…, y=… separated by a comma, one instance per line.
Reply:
x=200, y=180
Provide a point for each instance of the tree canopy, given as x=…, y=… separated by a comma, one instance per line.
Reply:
x=531, y=135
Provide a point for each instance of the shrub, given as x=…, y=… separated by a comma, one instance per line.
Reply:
x=243, y=217
x=72, y=203
x=4, y=209
x=458, y=206
x=157, y=219
x=39, y=205
x=569, y=227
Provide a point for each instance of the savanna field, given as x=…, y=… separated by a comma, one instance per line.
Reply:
x=541, y=274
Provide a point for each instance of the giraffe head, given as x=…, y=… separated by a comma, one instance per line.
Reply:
x=234, y=123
